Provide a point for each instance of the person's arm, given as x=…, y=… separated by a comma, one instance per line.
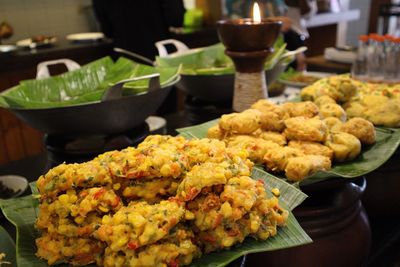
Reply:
x=174, y=11
x=100, y=11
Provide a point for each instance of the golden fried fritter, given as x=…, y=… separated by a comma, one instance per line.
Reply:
x=272, y=116
x=255, y=147
x=150, y=190
x=303, y=129
x=360, y=128
x=215, y=132
x=176, y=250
x=277, y=159
x=340, y=88
x=312, y=148
x=76, y=250
x=345, y=146
x=305, y=109
x=208, y=174
x=244, y=122
x=139, y=224
x=319, y=101
x=298, y=168
x=83, y=220
x=332, y=110
x=275, y=137
x=333, y=124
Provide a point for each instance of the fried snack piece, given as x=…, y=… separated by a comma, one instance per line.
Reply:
x=345, y=146
x=333, y=124
x=208, y=174
x=175, y=250
x=303, y=129
x=150, y=190
x=245, y=122
x=255, y=147
x=341, y=88
x=312, y=148
x=77, y=251
x=139, y=224
x=360, y=128
x=298, y=168
x=275, y=137
x=241, y=209
x=77, y=214
x=276, y=159
x=201, y=150
x=378, y=109
x=332, y=110
x=215, y=132
x=321, y=100
x=272, y=115
x=65, y=176
x=305, y=109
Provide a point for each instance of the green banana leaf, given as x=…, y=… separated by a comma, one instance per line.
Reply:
x=211, y=60
x=371, y=157
x=84, y=85
x=7, y=246
x=22, y=212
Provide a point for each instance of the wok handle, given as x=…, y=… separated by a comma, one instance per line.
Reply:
x=42, y=70
x=115, y=91
x=162, y=51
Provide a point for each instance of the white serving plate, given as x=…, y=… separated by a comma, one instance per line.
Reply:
x=85, y=36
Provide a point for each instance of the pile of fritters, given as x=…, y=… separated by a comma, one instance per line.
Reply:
x=164, y=203
x=378, y=103
x=298, y=139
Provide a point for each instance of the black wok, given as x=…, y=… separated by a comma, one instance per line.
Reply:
x=114, y=114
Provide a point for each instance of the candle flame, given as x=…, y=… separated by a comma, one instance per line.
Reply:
x=256, y=13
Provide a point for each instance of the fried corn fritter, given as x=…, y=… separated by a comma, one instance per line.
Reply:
x=164, y=203
x=225, y=215
x=139, y=224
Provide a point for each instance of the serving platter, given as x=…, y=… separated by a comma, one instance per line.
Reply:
x=22, y=212
x=285, y=78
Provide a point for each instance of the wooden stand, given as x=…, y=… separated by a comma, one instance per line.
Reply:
x=249, y=87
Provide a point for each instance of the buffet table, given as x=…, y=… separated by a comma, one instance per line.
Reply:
x=385, y=230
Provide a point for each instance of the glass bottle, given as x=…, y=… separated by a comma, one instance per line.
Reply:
x=376, y=58
x=390, y=65
x=359, y=67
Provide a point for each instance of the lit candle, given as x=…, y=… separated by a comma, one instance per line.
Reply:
x=256, y=13
x=248, y=42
